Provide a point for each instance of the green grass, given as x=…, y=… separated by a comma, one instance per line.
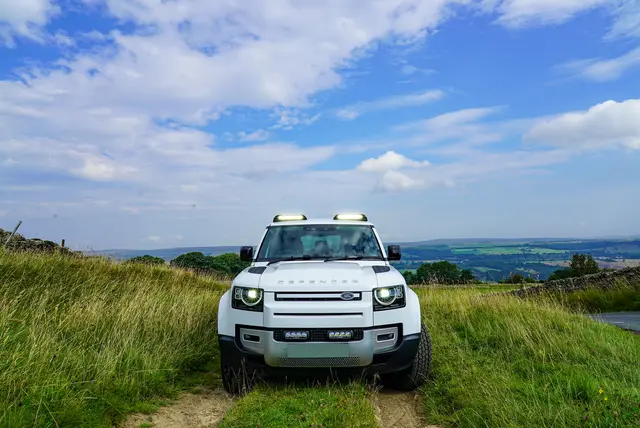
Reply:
x=336, y=406
x=623, y=297
x=85, y=341
x=504, y=361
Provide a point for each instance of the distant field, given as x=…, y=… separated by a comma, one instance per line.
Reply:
x=489, y=259
x=505, y=250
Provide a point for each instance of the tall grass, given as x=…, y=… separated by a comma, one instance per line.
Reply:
x=623, y=296
x=84, y=341
x=504, y=361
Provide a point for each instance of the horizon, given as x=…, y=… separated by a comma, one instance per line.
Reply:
x=164, y=124
x=523, y=239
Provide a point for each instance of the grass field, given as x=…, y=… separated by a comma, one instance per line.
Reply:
x=623, y=297
x=85, y=341
x=503, y=361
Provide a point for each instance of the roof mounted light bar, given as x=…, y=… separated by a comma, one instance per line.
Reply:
x=289, y=217
x=352, y=217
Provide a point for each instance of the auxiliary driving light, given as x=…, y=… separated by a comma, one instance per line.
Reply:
x=342, y=334
x=354, y=217
x=296, y=335
x=289, y=217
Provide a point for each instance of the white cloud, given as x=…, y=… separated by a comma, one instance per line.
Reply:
x=522, y=13
x=259, y=135
x=24, y=18
x=289, y=118
x=396, y=181
x=601, y=70
x=462, y=126
x=390, y=161
x=153, y=238
x=450, y=120
x=608, y=124
x=397, y=101
x=627, y=20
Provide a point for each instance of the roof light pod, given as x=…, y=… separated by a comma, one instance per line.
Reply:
x=352, y=217
x=289, y=217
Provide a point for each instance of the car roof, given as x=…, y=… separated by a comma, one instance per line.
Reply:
x=316, y=221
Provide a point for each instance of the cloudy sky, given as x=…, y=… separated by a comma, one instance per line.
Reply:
x=150, y=124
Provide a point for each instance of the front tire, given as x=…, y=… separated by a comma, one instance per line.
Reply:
x=415, y=375
x=237, y=378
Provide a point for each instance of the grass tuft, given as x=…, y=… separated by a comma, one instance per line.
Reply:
x=328, y=406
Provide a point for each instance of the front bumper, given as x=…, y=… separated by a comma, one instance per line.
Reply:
x=264, y=350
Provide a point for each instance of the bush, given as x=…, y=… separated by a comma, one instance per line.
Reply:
x=226, y=264
x=147, y=260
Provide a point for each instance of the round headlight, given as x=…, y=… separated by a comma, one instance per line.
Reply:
x=251, y=296
x=386, y=296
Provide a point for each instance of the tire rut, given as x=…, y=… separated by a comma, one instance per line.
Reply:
x=396, y=409
x=203, y=410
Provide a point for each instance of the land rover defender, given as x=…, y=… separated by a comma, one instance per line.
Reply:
x=321, y=294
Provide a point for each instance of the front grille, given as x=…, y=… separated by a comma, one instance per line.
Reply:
x=319, y=362
x=313, y=296
x=319, y=335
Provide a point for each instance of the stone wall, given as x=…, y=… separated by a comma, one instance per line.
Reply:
x=601, y=280
x=20, y=243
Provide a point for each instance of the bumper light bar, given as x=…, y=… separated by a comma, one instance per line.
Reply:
x=296, y=335
x=340, y=335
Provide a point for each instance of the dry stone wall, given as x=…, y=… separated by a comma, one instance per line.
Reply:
x=20, y=243
x=601, y=280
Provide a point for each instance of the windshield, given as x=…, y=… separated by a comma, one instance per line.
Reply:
x=319, y=242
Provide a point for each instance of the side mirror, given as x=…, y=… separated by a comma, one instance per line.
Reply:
x=393, y=252
x=246, y=254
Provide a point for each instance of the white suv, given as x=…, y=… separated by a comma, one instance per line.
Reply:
x=321, y=294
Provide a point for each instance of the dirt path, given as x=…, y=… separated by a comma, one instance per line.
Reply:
x=202, y=410
x=399, y=410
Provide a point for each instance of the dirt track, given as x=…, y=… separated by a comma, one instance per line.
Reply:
x=203, y=410
x=399, y=409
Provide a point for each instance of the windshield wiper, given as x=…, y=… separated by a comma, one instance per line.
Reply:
x=331, y=259
x=305, y=257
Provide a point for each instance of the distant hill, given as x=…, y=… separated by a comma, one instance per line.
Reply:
x=443, y=248
x=165, y=253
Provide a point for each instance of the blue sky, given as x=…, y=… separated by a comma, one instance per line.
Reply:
x=147, y=124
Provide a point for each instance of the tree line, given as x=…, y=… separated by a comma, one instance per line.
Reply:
x=222, y=264
x=440, y=272
x=447, y=273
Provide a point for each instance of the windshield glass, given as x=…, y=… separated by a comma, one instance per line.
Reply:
x=319, y=242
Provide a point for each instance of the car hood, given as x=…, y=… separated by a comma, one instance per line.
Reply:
x=329, y=276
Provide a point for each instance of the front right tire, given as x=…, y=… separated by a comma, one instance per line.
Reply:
x=415, y=375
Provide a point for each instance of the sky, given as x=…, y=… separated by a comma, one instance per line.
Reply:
x=173, y=123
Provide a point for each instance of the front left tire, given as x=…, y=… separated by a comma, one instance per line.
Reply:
x=415, y=375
